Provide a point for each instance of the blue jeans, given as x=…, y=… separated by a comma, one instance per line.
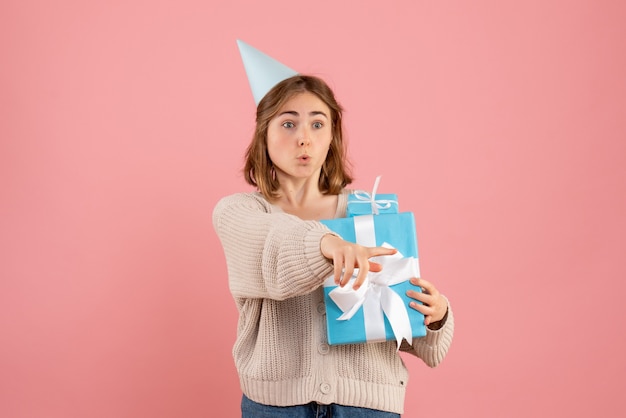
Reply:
x=251, y=409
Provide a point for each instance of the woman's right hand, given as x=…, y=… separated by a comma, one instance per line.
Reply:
x=347, y=256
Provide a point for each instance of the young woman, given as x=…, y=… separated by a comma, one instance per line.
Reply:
x=278, y=255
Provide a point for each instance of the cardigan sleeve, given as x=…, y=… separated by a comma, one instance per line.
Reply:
x=433, y=347
x=269, y=254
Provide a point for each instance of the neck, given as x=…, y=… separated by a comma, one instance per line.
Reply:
x=298, y=193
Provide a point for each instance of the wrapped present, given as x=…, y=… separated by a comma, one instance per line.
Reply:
x=363, y=203
x=379, y=310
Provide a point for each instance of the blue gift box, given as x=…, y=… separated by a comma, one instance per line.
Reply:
x=396, y=230
x=360, y=203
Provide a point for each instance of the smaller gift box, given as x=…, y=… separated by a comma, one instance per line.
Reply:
x=379, y=310
x=363, y=203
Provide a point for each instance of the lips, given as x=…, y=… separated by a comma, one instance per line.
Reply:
x=304, y=157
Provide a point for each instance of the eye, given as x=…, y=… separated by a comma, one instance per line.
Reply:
x=288, y=125
x=318, y=125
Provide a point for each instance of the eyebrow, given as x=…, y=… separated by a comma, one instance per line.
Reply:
x=313, y=113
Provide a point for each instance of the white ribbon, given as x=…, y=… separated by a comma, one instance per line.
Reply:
x=377, y=204
x=378, y=299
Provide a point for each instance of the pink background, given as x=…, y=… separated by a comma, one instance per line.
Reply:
x=501, y=125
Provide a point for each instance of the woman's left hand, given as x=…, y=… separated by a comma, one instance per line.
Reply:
x=434, y=306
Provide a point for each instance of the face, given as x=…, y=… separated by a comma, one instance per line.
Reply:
x=299, y=136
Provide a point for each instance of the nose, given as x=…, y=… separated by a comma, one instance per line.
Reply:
x=304, y=138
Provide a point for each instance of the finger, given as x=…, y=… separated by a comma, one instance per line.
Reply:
x=348, y=270
x=364, y=267
x=421, y=308
x=375, y=267
x=338, y=267
x=420, y=292
x=376, y=251
x=435, y=309
x=427, y=286
x=416, y=281
x=422, y=297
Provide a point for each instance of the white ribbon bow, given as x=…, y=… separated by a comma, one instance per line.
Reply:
x=378, y=299
x=365, y=197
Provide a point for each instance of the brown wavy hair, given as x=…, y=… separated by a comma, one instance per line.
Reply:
x=259, y=169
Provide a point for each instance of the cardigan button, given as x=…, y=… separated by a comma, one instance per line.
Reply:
x=325, y=388
x=321, y=308
x=323, y=348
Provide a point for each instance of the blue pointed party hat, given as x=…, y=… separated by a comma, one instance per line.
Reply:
x=263, y=71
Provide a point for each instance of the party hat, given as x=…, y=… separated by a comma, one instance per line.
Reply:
x=263, y=71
